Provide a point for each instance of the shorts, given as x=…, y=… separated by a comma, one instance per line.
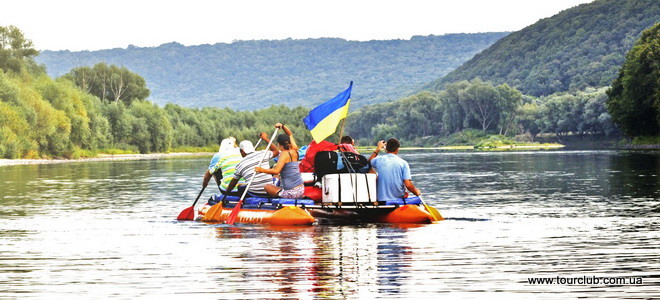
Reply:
x=294, y=193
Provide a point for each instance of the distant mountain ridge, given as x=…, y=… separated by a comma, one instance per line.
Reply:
x=255, y=74
x=580, y=47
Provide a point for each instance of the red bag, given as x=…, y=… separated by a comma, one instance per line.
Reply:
x=314, y=193
x=307, y=164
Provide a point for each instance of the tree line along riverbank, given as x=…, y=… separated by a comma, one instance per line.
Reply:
x=103, y=109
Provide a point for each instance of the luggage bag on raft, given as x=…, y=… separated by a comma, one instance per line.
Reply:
x=332, y=162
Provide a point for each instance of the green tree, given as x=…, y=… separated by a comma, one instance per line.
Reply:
x=15, y=50
x=634, y=98
x=110, y=83
x=529, y=118
x=509, y=105
x=453, y=115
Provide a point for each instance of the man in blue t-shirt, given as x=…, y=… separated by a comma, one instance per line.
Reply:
x=393, y=172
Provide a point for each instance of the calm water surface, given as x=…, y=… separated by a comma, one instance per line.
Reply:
x=107, y=229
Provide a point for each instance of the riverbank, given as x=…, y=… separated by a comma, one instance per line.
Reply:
x=109, y=157
x=101, y=157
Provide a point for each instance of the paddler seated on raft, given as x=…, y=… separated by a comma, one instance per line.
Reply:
x=393, y=172
x=223, y=165
x=347, y=144
x=291, y=183
x=246, y=168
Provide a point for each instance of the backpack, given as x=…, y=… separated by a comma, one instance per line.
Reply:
x=325, y=162
x=331, y=162
x=350, y=162
x=308, y=162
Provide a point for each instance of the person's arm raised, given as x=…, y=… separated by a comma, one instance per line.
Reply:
x=272, y=148
x=288, y=132
x=379, y=146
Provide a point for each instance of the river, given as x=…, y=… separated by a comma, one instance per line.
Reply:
x=108, y=229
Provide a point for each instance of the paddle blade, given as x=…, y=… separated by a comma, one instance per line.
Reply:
x=187, y=214
x=234, y=213
x=435, y=214
x=212, y=214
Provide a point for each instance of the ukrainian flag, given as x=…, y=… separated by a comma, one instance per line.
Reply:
x=322, y=121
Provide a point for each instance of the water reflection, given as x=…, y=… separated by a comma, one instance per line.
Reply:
x=97, y=230
x=318, y=261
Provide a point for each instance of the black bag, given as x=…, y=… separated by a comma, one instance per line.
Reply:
x=325, y=162
x=331, y=162
x=351, y=162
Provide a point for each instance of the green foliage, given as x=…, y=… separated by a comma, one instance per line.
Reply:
x=578, y=48
x=16, y=52
x=42, y=117
x=466, y=137
x=110, y=83
x=562, y=114
x=191, y=149
x=249, y=75
x=463, y=105
x=634, y=99
x=495, y=141
x=115, y=151
x=459, y=115
x=646, y=140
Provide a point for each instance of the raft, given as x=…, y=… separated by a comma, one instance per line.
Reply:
x=282, y=211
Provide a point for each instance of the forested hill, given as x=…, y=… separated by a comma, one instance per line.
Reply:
x=255, y=74
x=580, y=47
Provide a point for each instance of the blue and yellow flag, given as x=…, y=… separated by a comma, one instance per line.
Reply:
x=322, y=121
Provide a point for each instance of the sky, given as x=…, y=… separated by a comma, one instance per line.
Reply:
x=102, y=24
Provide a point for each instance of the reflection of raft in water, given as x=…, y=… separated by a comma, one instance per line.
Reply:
x=279, y=211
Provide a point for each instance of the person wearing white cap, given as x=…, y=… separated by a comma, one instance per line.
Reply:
x=223, y=165
x=246, y=168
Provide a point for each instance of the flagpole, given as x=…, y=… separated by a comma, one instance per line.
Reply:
x=341, y=130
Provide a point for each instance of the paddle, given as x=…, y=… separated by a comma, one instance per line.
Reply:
x=435, y=214
x=234, y=213
x=210, y=214
x=189, y=213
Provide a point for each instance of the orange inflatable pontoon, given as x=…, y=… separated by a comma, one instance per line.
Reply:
x=277, y=211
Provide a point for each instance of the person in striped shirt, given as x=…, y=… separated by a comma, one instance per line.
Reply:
x=251, y=159
x=223, y=166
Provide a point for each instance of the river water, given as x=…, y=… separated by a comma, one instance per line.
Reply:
x=108, y=229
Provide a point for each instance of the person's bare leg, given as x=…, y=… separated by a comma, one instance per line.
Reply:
x=272, y=189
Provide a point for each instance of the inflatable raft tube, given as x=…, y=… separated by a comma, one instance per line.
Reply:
x=285, y=215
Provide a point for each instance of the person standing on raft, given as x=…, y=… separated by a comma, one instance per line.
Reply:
x=393, y=172
x=291, y=183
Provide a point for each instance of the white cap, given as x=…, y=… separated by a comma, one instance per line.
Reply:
x=227, y=144
x=246, y=146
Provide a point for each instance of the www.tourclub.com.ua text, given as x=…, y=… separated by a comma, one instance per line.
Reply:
x=586, y=280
